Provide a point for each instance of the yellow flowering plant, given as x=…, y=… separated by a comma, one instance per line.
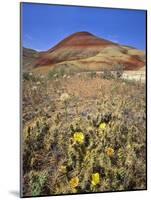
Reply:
x=79, y=137
x=102, y=126
x=110, y=152
x=95, y=179
x=74, y=182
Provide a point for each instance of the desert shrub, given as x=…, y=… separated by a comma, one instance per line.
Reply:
x=33, y=141
x=86, y=145
x=107, y=74
x=26, y=76
x=60, y=71
x=93, y=74
x=37, y=182
x=116, y=73
x=29, y=76
x=119, y=69
x=53, y=74
x=56, y=72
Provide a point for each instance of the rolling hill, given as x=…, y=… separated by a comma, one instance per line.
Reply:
x=83, y=51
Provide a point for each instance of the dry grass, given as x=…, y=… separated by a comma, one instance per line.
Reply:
x=110, y=117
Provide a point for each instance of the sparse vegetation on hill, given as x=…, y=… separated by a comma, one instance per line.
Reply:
x=30, y=56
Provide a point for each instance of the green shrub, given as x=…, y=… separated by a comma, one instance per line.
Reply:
x=37, y=182
x=107, y=74
x=119, y=69
x=29, y=76
x=26, y=76
x=93, y=74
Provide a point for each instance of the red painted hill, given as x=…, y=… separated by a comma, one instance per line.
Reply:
x=88, y=51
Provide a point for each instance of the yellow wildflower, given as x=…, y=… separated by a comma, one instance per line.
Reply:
x=95, y=179
x=102, y=126
x=79, y=137
x=74, y=182
x=110, y=152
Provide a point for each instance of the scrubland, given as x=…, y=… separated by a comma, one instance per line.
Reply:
x=82, y=133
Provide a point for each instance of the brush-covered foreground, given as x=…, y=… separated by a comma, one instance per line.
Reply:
x=83, y=134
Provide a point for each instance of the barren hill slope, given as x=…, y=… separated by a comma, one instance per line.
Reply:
x=86, y=51
x=30, y=56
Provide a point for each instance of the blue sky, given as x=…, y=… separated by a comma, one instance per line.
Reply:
x=43, y=26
